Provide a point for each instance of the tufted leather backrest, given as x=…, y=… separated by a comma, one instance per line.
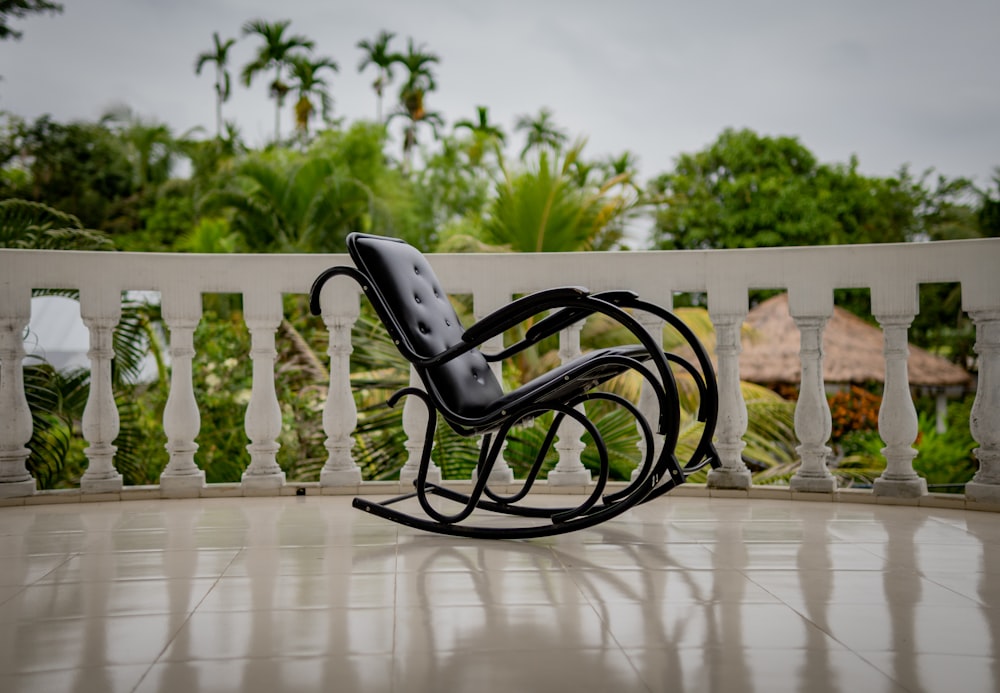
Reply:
x=421, y=320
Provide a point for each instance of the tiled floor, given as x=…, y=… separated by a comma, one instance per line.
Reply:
x=685, y=594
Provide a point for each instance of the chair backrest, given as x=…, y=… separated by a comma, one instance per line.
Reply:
x=422, y=322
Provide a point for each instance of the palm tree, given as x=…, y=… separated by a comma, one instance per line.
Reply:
x=289, y=201
x=276, y=54
x=484, y=133
x=419, y=81
x=308, y=84
x=377, y=53
x=542, y=133
x=222, y=82
x=546, y=209
x=482, y=126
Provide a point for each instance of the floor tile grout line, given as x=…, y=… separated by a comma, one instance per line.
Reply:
x=187, y=619
x=598, y=609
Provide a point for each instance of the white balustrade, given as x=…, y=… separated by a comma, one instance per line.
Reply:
x=569, y=470
x=181, y=419
x=892, y=272
x=262, y=312
x=897, y=416
x=484, y=303
x=415, y=427
x=733, y=474
x=648, y=405
x=15, y=416
x=340, y=413
x=101, y=311
x=985, y=419
x=813, y=422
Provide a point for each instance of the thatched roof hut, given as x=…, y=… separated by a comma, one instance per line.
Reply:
x=852, y=351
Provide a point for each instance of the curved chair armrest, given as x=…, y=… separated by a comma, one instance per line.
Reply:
x=561, y=319
x=567, y=300
x=518, y=311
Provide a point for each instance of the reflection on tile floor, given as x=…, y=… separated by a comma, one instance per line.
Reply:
x=685, y=594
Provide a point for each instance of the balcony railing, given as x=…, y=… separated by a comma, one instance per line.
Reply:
x=892, y=273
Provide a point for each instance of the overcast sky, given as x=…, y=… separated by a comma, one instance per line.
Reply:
x=892, y=81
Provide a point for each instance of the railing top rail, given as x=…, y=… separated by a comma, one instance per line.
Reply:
x=892, y=271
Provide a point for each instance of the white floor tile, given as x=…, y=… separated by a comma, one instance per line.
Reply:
x=292, y=594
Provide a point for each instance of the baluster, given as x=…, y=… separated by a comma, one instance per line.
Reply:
x=984, y=421
x=262, y=312
x=340, y=414
x=649, y=407
x=483, y=306
x=415, y=427
x=813, y=422
x=732, y=423
x=569, y=470
x=897, y=417
x=15, y=416
x=181, y=419
x=101, y=310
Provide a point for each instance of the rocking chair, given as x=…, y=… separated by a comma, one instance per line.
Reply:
x=460, y=386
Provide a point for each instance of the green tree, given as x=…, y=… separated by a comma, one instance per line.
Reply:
x=452, y=191
x=276, y=54
x=290, y=201
x=419, y=81
x=988, y=214
x=485, y=135
x=544, y=209
x=149, y=145
x=18, y=9
x=541, y=132
x=747, y=190
x=26, y=224
x=219, y=55
x=377, y=53
x=309, y=85
x=80, y=168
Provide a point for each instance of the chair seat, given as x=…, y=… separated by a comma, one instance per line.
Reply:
x=559, y=384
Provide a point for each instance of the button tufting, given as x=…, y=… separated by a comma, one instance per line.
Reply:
x=417, y=299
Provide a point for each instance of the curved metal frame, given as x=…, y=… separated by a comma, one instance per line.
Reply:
x=655, y=476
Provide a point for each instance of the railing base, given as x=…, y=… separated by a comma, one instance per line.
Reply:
x=184, y=486
x=340, y=477
x=729, y=479
x=982, y=493
x=813, y=484
x=407, y=477
x=263, y=481
x=576, y=478
x=900, y=488
x=111, y=484
x=499, y=476
x=18, y=489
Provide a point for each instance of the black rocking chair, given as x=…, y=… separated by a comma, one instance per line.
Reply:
x=460, y=386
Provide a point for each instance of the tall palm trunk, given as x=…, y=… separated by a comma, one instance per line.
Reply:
x=278, y=98
x=379, y=88
x=219, y=81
